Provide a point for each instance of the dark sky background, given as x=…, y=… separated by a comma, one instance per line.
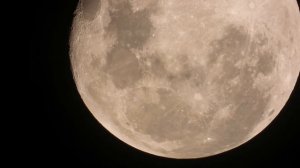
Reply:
x=67, y=134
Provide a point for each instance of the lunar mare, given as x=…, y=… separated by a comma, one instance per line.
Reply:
x=185, y=79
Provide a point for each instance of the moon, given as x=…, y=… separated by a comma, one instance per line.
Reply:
x=185, y=79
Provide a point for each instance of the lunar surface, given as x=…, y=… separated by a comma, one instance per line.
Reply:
x=185, y=79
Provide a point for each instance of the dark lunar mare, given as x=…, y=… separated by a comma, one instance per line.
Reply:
x=90, y=8
x=132, y=30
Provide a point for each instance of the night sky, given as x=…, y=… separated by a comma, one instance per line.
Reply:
x=66, y=133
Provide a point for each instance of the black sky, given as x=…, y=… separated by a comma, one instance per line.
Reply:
x=67, y=134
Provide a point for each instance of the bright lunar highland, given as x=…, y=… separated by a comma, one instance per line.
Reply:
x=185, y=78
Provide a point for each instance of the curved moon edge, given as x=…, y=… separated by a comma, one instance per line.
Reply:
x=177, y=87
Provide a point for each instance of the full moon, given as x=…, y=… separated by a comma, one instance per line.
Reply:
x=185, y=79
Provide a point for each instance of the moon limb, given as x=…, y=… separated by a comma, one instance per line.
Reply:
x=178, y=80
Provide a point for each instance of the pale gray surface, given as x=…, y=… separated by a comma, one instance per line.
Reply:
x=185, y=79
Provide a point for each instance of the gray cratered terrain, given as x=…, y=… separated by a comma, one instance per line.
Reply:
x=185, y=79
